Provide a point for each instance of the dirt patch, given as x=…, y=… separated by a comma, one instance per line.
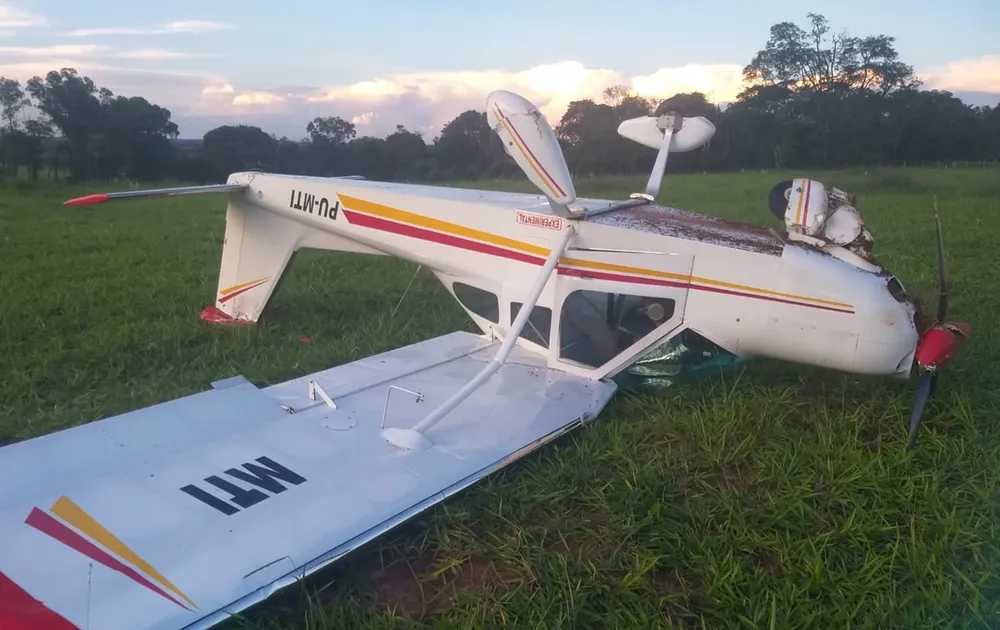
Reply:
x=400, y=587
x=694, y=226
x=680, y=604
x=666, y=583
x=566, y=543
x=418, y=587
x=769, y=560
x=474, y=574
x=741, y=478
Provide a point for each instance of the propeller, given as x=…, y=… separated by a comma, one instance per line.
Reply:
x=938, y=345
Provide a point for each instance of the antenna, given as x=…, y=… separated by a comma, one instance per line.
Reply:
x=528, y=138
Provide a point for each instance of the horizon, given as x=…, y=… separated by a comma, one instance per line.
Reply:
x=266, y=66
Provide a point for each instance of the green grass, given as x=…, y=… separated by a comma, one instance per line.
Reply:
x=774, y=496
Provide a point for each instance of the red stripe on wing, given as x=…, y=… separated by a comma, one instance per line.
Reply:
x=50, y=526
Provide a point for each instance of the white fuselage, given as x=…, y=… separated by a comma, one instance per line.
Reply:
x=742, y=287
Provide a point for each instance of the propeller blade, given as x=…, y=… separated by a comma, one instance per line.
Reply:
x=927, y=382
x=942, y=311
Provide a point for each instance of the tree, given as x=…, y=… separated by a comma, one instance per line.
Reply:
x=805, y=88
x=329, y=136
x=816, y=60
x=12, y=101
x=235, y=148
x=33, y=138
x=332, y=129
x=70, y=102
x=815, y=97
x=407, y=154
x=467, y=147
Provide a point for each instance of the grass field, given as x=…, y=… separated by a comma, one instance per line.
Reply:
x=774, y=496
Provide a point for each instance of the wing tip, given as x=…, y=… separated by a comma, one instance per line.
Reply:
x=87, y=200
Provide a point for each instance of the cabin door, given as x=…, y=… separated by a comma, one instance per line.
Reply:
x=612, y=307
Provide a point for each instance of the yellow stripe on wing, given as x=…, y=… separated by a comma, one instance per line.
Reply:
x=73, y=514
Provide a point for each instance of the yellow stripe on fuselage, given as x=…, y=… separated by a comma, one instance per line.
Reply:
x=394, y=214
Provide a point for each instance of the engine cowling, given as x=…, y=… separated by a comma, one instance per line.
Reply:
x=821, y=215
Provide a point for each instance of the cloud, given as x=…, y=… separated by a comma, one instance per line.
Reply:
x=427, y=100
x=218, y=89
x=12, y=17
x=153, y=54
x=7, y=33
x=49, y=52
x=965, y=75
x=422, y=101
x=363, y=119
x=257, y=97
x=171, y=89
x=179, y=26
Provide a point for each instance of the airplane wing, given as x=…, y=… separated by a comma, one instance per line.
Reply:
x=181, y=514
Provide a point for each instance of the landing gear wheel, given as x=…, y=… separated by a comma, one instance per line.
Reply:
x=777, y=199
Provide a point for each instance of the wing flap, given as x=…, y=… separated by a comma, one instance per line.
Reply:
x=223, y=497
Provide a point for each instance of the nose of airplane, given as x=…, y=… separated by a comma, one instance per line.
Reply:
x=888, y=340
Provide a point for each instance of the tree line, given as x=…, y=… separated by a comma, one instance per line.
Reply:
x=812, y=98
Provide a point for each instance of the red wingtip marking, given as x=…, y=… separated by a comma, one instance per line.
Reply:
x=20, y=611
x=87, y=200
x=213, y=315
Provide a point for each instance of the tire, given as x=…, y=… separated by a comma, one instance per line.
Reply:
x=777, y=199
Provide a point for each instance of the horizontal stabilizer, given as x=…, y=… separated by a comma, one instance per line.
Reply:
x=159, y=192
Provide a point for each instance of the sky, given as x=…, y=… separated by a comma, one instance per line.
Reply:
x=278, y=64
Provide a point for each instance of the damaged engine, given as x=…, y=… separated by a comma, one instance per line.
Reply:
x=819, y=215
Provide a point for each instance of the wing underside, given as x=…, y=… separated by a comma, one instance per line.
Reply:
x=181, y=514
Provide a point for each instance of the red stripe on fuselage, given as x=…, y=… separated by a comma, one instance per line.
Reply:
x=20, y=611
x=364, y=220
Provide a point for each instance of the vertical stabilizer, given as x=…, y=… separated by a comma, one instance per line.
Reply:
x=256, y=251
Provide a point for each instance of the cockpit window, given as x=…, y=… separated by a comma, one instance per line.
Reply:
x=536, y=329
x=479, y=301
x=595, y=326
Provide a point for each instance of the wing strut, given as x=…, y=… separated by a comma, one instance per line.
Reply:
x=670, y=124
x=414, y=439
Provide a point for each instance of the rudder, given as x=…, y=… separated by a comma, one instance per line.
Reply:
x=256, y=251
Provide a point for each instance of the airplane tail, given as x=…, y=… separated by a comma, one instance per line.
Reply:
x=257, y=249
